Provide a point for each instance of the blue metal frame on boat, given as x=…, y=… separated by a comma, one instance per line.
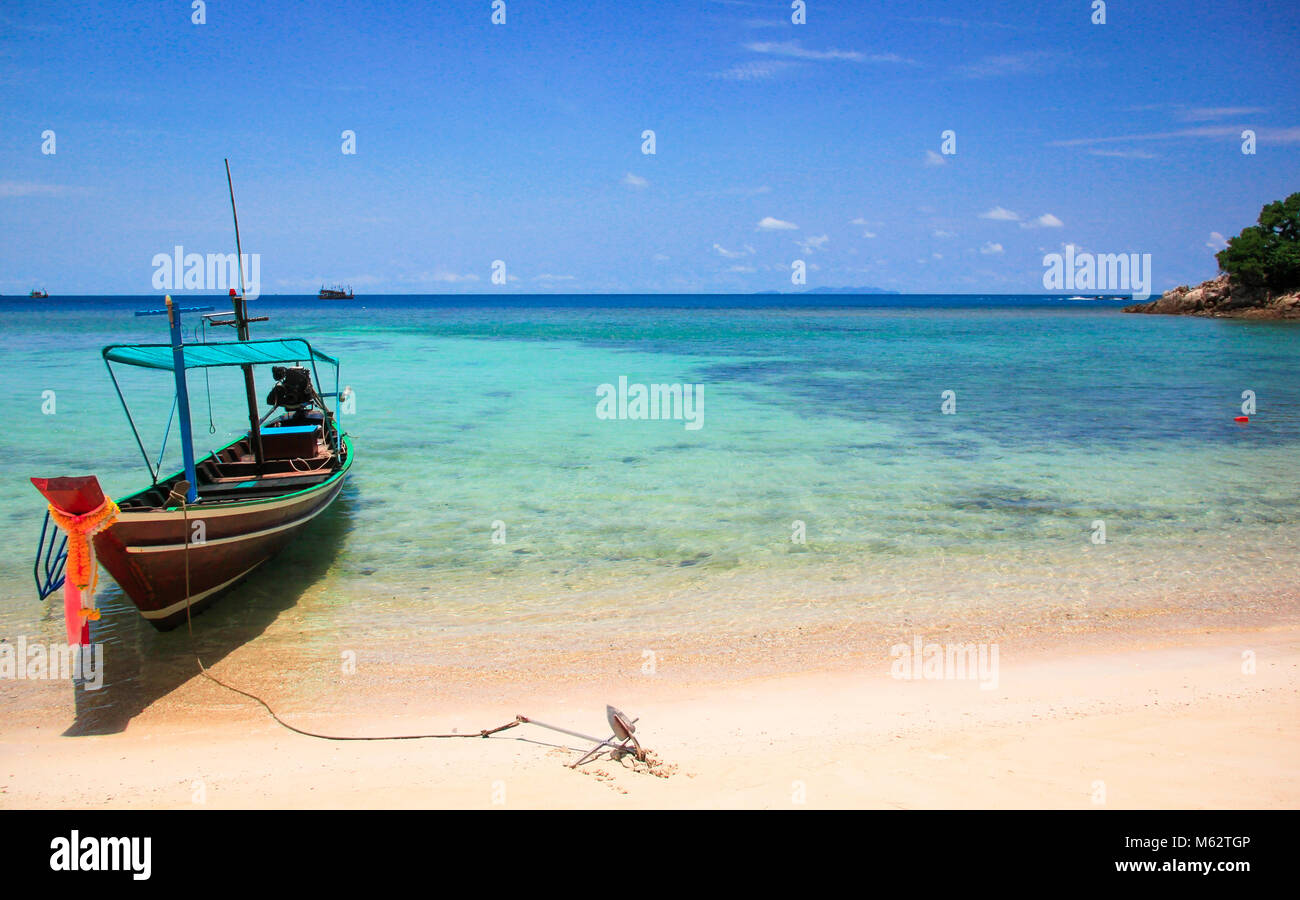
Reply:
x=217, y=353
x=177, y=357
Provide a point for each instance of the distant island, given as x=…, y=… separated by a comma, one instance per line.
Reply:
x=1260, y=273
x=835, y=290
x=848, y=290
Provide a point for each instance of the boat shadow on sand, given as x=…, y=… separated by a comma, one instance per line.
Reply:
x=142, y=665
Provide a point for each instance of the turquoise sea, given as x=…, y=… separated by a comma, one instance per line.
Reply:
x=828, y=411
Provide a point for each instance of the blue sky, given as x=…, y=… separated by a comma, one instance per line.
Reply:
x=522, y=142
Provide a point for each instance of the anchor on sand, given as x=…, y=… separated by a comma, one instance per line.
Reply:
x=621, y=725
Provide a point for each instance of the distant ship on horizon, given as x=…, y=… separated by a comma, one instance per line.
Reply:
x=335, y=293
x=37, y=294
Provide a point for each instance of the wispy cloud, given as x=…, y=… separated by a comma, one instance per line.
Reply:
x=1216, y=242
x=733, y=254
x=796, y=50
x=1124, y=154
x=1204, y=113
x=755, y=70
x=991, y=249
x=768, y=223
x=934, y=159
x=949, y=22
x=635, y=181
x=547, y=276
x=1004, y=64
x=864, y=223
x=35, y=189
x=1272, y=135
x=812, y=244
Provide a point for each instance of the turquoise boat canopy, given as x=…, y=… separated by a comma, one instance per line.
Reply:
x=205, y=356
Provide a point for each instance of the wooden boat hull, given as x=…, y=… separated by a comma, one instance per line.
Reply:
x=145, y=551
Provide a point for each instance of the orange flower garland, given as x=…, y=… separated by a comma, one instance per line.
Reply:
x=81, y=570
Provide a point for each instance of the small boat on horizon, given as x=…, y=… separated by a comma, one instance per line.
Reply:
x=335, y=293
x=39, y=294
x=176, y=544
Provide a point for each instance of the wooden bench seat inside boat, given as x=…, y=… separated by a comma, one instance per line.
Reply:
x=233, y=473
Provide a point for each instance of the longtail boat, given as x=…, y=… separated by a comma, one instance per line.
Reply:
x=176, y=544
x=338, y=292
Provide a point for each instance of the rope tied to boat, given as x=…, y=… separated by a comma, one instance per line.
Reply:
x=619, y=742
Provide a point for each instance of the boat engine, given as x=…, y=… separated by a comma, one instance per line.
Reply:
x=292, y=390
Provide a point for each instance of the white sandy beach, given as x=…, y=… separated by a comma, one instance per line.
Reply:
x=1137, y=719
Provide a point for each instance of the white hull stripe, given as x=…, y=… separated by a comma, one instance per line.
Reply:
x=214, y=542
x=177, y=607
x=214, y=512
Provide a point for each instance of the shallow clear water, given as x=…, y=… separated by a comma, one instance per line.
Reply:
x=473, y=414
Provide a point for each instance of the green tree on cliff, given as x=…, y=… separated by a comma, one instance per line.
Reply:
x=1267, y=255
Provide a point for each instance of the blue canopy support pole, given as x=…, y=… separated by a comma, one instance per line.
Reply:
x=182, y=399
x=135, y=431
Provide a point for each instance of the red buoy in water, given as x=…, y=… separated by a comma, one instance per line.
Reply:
x=1241, y=419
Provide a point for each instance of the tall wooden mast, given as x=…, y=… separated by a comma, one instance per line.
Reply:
x=240, y=322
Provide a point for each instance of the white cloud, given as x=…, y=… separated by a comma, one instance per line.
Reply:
x=768, y=223
x=547, y=276
x=811, y=244
x=991, y=249
x=940, y=233
x=662, y=257
x=1046, y=220
x=635, y=181
x=1216, y=242
x=934, y=159
x=864, y=223
x=1001, y=214
x=733, y=254
x=742, y=269
x=454, y=278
